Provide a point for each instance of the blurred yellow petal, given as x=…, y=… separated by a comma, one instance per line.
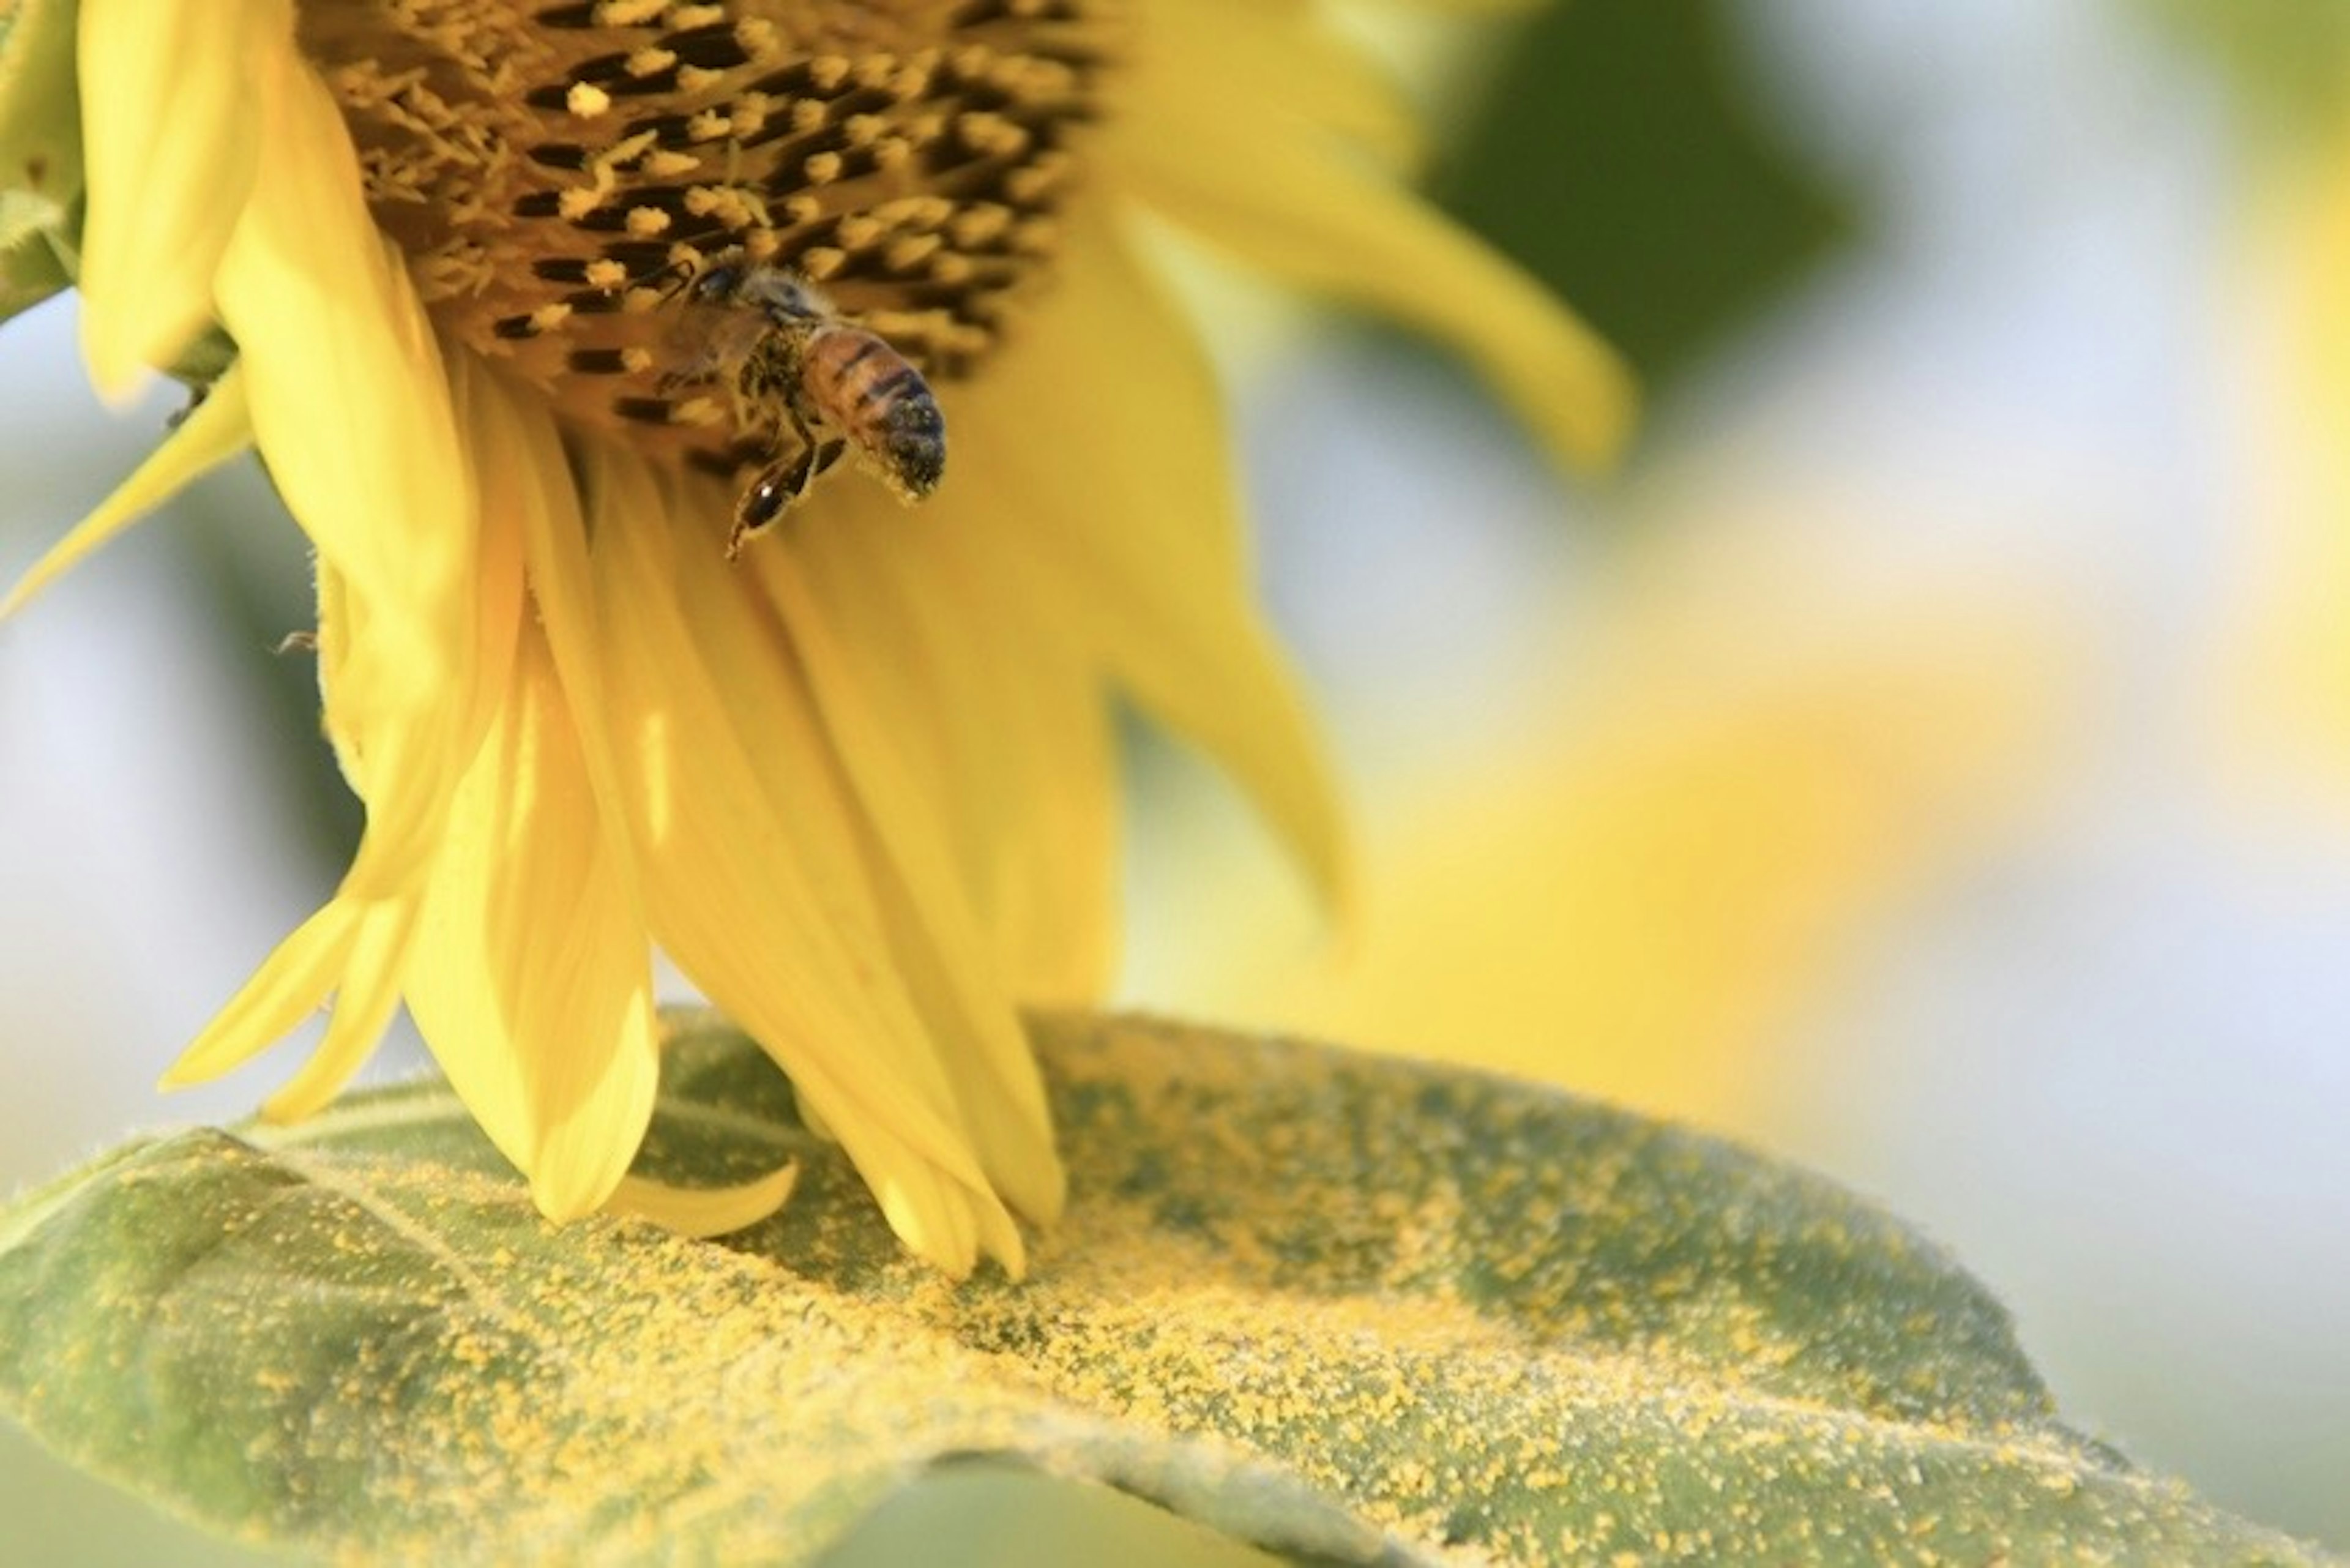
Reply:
x=1162, y=590
x=1640, y=891
x=1287, y=59
x=171, y=138
x=218, y=429
x=1219, y=163
x=2287, y=690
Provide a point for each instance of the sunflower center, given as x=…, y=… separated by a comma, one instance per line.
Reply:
x=554, y=172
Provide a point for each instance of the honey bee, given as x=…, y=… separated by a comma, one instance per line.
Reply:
x=789, y=351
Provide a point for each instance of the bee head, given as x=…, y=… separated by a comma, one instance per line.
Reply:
x=715, y=283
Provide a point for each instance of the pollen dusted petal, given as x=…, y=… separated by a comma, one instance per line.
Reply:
x=218, y=429
x=1224, y=167
x=170, y=137
x=704, y=1210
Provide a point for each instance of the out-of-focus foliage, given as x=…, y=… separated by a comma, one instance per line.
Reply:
x=2289, y=59
x=1618, y=154
x=1343, y=1309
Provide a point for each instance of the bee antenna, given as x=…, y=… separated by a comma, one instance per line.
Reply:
x=671, y=277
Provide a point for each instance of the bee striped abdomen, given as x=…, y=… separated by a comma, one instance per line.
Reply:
x=869, y=392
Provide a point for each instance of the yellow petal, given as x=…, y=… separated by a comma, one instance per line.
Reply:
x=532, y=979
x=292, y=984
x=216, y=430
x=40, y=146
x=171, y=138
x=526, y=482
x=367, y=992
x=747, y=847
x=704, y=1210
x=349, y=399
x=999, y=709
x=926, y=913
x=1287, y=59
x=1220, y=163
x=352, y=412
x=514, y=475
x=1160, y=589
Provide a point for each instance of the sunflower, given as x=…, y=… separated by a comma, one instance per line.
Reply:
x=858, y=784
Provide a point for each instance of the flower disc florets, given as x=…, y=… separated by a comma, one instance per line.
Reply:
x=552, y=175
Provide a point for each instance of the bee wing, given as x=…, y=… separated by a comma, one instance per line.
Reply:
x=706, y=341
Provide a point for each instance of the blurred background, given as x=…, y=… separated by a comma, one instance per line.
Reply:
x=1929, y=760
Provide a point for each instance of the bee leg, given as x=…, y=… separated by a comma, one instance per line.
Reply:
x=770, y=495
x=672, y=277
x=772, y=491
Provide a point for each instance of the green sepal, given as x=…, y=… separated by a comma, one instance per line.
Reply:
x=40, y=152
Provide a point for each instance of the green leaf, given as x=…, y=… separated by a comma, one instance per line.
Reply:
x=2288, y=60
x=1338, y=1307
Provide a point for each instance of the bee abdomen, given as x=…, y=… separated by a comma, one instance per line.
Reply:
x=882, y=404
x=916, y=437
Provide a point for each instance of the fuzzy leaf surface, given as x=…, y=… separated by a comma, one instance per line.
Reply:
x=1334, y=1308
